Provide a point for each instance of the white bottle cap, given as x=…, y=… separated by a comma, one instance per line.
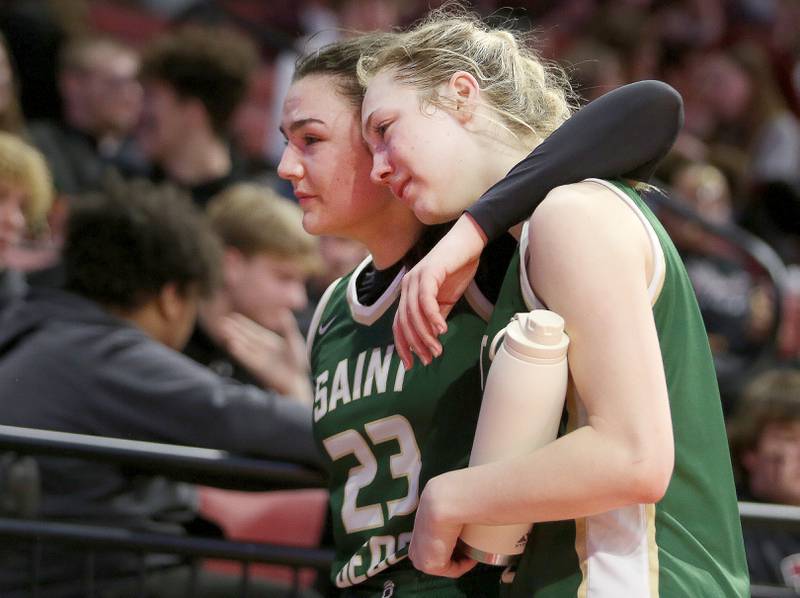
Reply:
x=538, y=334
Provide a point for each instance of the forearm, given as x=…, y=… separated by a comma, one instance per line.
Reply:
x=585, y=472
x=624, y=133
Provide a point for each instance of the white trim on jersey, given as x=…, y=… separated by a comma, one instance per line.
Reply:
x=314, y=325
x=659, y=262
x=479, y=302
x=369, y=314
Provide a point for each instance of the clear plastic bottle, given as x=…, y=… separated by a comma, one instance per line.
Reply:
x=521, y=411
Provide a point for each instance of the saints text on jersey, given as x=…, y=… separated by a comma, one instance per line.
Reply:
x=371, y=376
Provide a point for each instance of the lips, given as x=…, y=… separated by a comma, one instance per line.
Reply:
x=398, y=190
x=303, y=198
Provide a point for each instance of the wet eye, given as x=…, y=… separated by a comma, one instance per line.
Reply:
x=380, y=129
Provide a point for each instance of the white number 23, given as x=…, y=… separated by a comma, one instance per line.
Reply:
x=405, y=464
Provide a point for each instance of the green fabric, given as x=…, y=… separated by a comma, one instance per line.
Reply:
x=433, y=409
x=698, y=530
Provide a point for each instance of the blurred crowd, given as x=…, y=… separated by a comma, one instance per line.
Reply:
x=187, y=92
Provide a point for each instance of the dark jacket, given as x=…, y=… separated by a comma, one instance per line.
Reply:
x=12, y=286
x=68, y=365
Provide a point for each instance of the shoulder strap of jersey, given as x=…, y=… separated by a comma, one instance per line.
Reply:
x=318, y=311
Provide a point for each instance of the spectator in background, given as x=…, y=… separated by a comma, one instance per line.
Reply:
x=765, y=445
x=740, y=87
x=101, y=100
x=11, y=119
x=194, y=79
x=594, y=69
x=102, y=358
x=25, y=198
x=247, y=329
x=736, y=305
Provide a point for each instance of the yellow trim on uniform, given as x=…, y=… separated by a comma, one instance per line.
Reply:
x=652, y=548
x=583, y=559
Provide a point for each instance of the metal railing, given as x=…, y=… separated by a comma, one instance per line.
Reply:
x=218, y=468
x=181, y=463
x=779, y=517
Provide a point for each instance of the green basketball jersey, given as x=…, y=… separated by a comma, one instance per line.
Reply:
x=387, y=431
x=689, y=544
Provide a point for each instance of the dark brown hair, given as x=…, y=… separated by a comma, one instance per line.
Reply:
x=213, y=65
x=125, y=243
x=339, y=59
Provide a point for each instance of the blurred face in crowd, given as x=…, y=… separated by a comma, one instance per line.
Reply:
x=724, y=86
x=166, y=118
x=773, y=465
x=12, y=218
x=114, y=94
x=180, y=313
x=264, y=286
x=6, y=80
x=101, y=92
x=327, y=161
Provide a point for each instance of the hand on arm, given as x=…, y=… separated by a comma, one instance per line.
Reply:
x=589, y=264
x=624, y=133
x=432, y=288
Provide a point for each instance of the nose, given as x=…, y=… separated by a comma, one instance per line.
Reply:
x=289, y=167
x=381, y=169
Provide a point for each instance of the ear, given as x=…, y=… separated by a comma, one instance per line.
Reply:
x=464, y=91
x=170, y=302
x=232, y=266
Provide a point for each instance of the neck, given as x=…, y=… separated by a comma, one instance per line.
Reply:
x=503, y=158
x=201, y=158
x=144, y=317
x=390, y=239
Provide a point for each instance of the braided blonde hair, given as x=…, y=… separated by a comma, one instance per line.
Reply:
x=531, y=96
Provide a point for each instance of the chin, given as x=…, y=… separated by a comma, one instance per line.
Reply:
x=430, y=217
x=311, y=224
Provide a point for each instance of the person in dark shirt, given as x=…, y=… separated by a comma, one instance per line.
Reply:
x=193, y=81
x=101, y=98
x=102, y=357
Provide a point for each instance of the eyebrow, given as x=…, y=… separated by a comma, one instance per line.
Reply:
x=300, y=123
x=366, y=127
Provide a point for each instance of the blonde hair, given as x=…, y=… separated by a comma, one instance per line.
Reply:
x=255, y=219
x=532, y=97
x=21, y=164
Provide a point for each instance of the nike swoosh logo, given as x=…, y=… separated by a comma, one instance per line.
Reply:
x=323, y=328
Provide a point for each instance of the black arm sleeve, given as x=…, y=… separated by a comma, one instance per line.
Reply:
x=624, y=133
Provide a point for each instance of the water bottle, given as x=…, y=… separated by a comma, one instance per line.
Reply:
x=521, y=410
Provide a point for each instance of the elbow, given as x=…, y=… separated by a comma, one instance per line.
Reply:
x=668, y=102
x=651, y=474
